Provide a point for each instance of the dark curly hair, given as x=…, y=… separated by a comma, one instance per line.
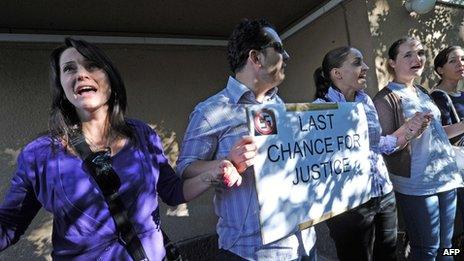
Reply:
x=246, y=36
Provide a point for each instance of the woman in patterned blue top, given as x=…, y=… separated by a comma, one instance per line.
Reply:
x=369, y=231
x=426, y=178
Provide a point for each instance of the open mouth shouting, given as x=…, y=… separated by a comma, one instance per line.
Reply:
x=362, y=76
x=85, y=89
x=416, y=67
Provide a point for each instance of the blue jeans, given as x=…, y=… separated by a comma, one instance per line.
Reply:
x=367, y=232
x=429, y=222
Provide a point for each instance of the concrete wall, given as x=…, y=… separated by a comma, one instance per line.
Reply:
x=163, y=85
x=346, y=24
x=389, y=21
x=165, y=82
x=370, y=26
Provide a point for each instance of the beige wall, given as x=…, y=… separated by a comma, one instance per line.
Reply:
x=437, y=29
x=308, y=47
x=163, y=85
x=370, y=26
x=165, y=82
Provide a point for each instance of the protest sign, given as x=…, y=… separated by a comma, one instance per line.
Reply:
x=312, y=163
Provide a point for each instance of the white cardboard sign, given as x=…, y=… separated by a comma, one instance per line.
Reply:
x=312, y=163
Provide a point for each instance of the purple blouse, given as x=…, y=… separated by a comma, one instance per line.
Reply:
x=83, y=228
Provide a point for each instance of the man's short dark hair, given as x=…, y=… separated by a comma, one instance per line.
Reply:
x=246, y=36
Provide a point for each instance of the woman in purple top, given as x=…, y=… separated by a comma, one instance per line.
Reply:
x=89, y=96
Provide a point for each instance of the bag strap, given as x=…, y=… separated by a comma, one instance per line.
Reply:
x=126, y=233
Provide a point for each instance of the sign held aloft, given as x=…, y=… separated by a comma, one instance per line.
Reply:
x=312, y=163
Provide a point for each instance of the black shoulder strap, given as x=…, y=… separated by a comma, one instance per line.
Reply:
x=103, y=174
x=81, y=146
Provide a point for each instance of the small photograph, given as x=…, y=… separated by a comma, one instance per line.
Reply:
x=264, y=122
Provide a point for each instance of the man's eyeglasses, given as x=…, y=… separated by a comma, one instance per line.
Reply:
x=278, y=47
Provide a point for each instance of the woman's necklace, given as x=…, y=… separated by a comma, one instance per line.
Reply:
x=94, y=147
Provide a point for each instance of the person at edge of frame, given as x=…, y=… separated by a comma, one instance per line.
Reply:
x=424, y=173
x=89, y=97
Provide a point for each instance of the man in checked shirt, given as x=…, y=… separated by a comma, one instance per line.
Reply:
x=217, y=132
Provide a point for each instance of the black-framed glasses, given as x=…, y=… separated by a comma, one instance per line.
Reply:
x=278, y=47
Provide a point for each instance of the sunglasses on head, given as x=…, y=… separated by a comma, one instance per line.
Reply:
x=278, y=47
